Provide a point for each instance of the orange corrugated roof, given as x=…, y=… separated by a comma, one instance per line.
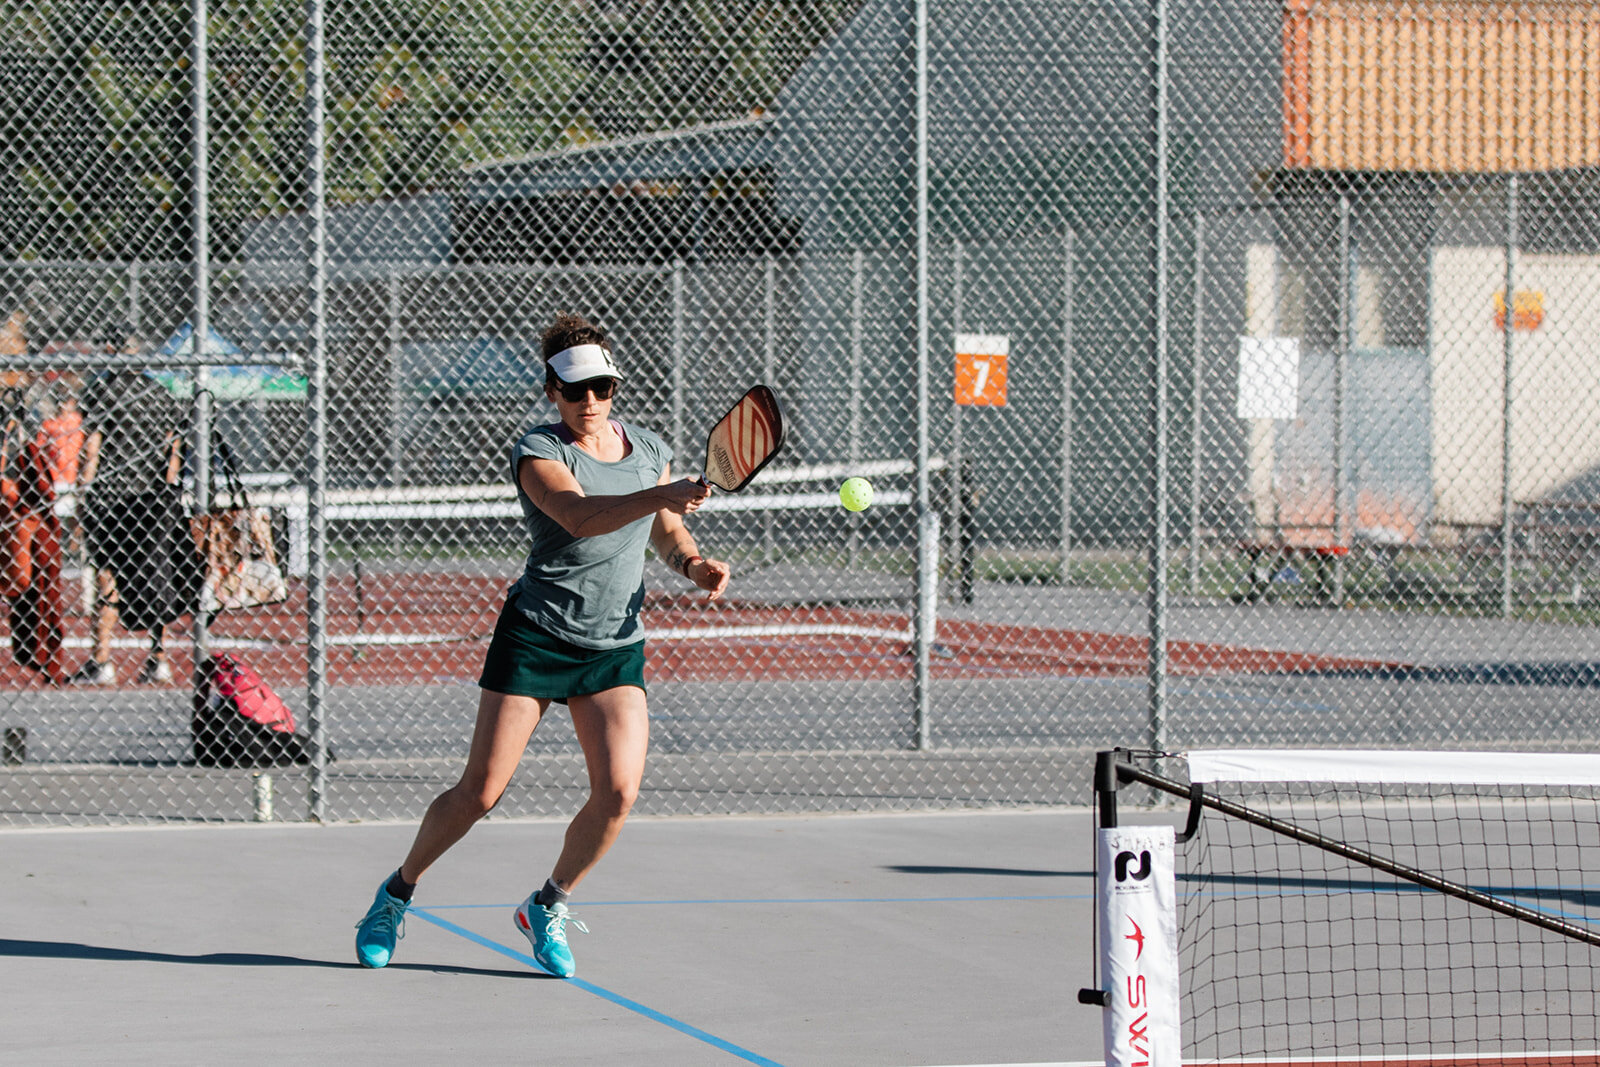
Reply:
x=1447, y=85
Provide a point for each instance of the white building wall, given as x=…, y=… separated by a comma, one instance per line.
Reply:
x=1555, y=412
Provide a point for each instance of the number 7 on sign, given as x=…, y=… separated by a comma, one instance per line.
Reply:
x=981, y=360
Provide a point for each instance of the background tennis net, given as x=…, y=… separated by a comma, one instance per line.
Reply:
x=1344, y=905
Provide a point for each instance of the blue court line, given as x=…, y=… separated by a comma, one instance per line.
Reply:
x=600, y=991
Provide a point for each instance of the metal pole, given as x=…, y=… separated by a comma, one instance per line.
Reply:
x=678, y=348
x=1156, y=566
x=925, y=627
x=1198, y=376
x=200, y=296
x=956, y=481
x=1067, y=254
x=397, y=410
x=858, y=285
x=1507, y=335
x=858, y=313
x=317, y=415
x=769, y=374
x=1341, y=370
x=769, y=322
x=135, y=301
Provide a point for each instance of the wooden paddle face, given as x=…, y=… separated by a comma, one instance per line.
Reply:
x=744, y=440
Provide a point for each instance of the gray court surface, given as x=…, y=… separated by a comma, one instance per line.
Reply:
x=952, y=938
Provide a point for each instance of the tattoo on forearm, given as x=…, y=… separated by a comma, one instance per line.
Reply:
x=677, y=560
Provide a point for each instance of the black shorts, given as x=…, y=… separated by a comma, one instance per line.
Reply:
x=144, y=540
x=525, y=661
x=126, y=531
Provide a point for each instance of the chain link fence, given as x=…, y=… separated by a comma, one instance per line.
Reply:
x=1225, y=372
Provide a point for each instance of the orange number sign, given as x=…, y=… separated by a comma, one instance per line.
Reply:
x=981, y=360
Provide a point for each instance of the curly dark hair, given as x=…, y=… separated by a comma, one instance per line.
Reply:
x=567, y=330
x=570, y=329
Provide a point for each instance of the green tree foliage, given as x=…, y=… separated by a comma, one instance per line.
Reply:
x=93, y=140
x=95, y=100
x=667, y=64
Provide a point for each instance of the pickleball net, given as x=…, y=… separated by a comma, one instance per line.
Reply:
x=1381, y=906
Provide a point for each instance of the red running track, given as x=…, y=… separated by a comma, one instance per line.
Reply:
x=425, y=628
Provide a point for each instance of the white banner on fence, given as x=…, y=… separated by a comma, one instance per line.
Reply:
x=1269, y=378
x=1139, y=946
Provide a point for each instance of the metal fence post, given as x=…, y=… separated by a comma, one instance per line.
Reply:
x=1068, y=265
x=1156, y=545
x=200, y=314
x=958, y=451
x=1196, y=407
x=924, y=628
x=858, y=312
x=1341, y=379
x=858, y=285
x=769, y=374
x=135, y=300
x=926, y=624
x=397, y=406
x=1508, y=502
x=679, y=348
x=317, y=398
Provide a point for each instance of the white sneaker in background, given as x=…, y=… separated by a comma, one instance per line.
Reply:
x=94, y=673
x=155, y=672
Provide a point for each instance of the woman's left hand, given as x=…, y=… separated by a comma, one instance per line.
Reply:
x=711, y=575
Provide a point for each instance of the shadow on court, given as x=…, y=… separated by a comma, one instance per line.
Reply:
x=1004, y=872
x=66, y=950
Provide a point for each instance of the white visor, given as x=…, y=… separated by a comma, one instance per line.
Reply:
x=583, y=362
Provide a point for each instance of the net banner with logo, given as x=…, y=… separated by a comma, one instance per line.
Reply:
x=1139, y=946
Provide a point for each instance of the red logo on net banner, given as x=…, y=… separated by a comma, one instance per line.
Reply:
x=1137, y=1052
x=1139, y=964
x=1136, y=1039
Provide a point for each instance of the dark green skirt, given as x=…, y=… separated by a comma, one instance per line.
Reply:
x=525, y=661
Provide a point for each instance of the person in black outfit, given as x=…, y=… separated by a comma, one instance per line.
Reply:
x=132, y=516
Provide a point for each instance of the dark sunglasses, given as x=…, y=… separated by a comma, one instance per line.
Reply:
x=573, y=392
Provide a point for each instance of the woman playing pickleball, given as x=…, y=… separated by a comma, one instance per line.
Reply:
x=594, y=491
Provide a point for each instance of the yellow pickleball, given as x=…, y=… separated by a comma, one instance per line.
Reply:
x=856, y=494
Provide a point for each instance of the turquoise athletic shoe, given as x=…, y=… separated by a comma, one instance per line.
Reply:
x=546, y=930
x=384, y=924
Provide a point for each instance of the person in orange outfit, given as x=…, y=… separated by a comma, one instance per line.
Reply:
x=61, y=433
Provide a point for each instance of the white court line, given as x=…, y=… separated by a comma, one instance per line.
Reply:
x=253, y=644
x=677, y=634
x=402, y=639
x=819, y=629
x=680, y=634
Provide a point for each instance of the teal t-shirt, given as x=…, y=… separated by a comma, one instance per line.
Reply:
x=587, y=590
